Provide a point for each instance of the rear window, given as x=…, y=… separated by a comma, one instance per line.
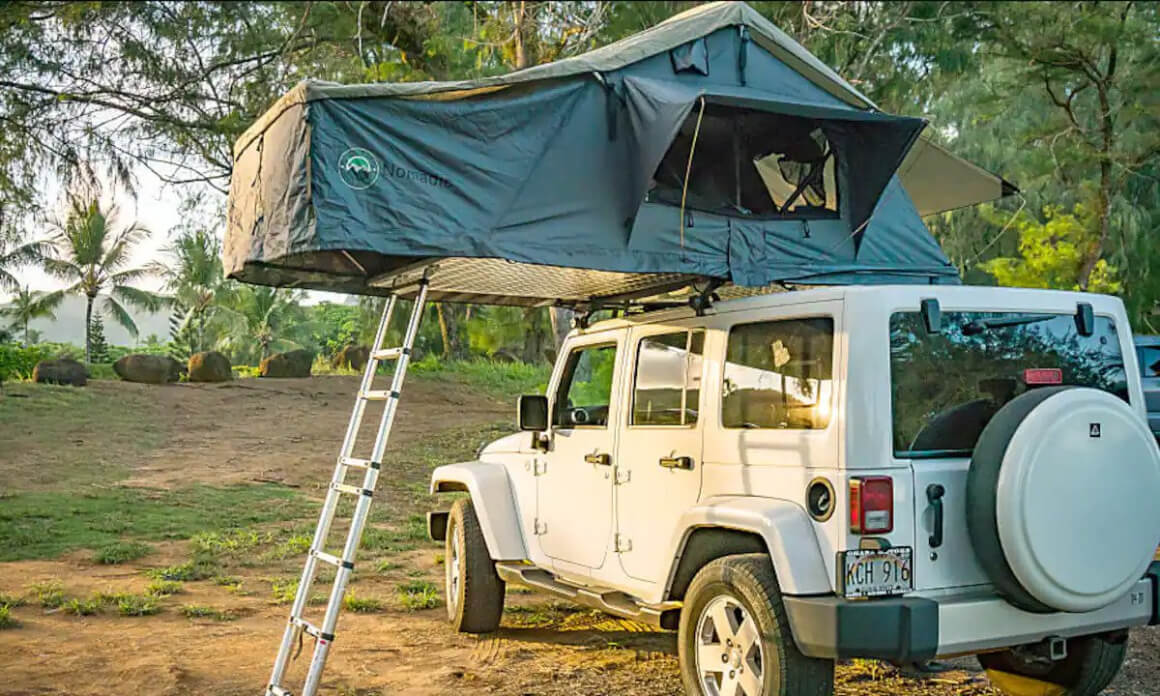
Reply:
x=1149, y=357
x=946, y=387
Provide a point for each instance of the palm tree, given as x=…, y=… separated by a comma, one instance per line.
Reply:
x=28, y=305
x=90, y=251
x=196, y=283
x=15, y=252
x=264, y=319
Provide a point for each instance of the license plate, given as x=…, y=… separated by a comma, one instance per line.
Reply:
x=876, y=572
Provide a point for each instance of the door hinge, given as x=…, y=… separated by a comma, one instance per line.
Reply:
x=539, y=467
x=539, y=527
x=622, y=476
x=623, y=543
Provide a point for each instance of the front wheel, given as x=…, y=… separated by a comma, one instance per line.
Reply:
x=473, y=589
x=1091, y=664
x=734, y=638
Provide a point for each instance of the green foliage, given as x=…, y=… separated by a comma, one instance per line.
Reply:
x=360, y=605
x=163, y=588
x=121, y=552
x=49, y=594
x=195, y=611
x=498, y=379
x=233, y=542
x=6, y=619
x=11, y=600
x=98, y=346
x=416, y=595
x=81, y=607
x=17, y=362
x=137, y=605
x=198, y=569
x=42, y=524
x=1052, y=254
x=28, y=305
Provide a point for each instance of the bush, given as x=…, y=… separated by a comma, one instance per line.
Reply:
x=137, y=605
x=49, y=595
x=6, y=620
x=360, y=605
x=195, y=611
x=120, y=552
x=82, y=607
x=418, y=594
x=192, y=570
x=16, y=362
x=163, y=588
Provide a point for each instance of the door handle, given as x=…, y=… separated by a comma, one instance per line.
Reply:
x=602, y=459
x=677, y=462
x=934, y=495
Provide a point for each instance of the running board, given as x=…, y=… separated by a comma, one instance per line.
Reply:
x=664, y=615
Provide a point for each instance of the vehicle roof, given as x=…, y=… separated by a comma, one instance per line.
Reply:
x=981, y=298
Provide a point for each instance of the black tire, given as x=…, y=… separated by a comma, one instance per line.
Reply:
x=1091, y=664
x=750, y=579
x=475, y=603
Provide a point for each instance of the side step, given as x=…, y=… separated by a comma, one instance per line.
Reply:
x=664, y=615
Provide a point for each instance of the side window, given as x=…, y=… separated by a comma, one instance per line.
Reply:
x=779, y=374
x=586, y=388
x=668, y=379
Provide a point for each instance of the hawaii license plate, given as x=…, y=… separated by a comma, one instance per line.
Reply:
x=876, y=572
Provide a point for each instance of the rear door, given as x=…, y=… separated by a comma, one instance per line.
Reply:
x=658, y=467
x=945, y=389
x=1148, y=355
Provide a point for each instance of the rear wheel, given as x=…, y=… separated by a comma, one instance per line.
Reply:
x=1091, y=664
x=734, y=638
x=473, y=590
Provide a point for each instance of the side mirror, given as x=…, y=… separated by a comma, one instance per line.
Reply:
x=533, y=412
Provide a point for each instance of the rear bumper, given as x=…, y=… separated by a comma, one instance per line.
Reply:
x=915, y=629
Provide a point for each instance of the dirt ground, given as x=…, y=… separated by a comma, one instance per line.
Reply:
x=287, y=431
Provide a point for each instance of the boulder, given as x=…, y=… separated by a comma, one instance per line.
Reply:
x=148, y=369
x=60, y=371
x=209, y=366
x=354, y=357
x=292, y=363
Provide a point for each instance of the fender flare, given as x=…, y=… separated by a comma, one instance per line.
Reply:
x=785, y=527
x=494, y=503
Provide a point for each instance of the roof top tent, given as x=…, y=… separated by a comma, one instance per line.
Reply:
x=711, y=147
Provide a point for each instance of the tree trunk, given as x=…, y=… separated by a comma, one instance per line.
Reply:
x=561, y=324
x=1104, y=199
x=536, y=339
x=451, y=330
x=89, y=328
x=27, y=334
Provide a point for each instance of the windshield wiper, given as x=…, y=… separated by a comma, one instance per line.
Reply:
x=978, y=326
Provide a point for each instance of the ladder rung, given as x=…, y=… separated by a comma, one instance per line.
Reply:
x=311, y=629
x=357, y=463
x=275, y=690
x=390, y=353
x=353, y=490
x=379, y=395
x=333, y=560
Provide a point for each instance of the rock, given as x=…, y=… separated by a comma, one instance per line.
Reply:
x=354, y=357
x=148, y=369
x=292, y=363
x=60, y=371
x=209, y=366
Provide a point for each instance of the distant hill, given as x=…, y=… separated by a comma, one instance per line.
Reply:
x=69, y=324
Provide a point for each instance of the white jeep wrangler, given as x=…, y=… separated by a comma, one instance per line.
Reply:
x=900, y=473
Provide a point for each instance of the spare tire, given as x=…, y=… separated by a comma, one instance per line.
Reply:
x=1062, y=499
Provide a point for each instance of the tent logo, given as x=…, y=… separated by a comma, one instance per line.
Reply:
x=358, y=167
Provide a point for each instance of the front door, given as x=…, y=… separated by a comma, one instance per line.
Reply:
x=574, y=520
x=658, y=468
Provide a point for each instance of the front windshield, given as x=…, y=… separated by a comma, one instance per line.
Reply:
x=947, y=386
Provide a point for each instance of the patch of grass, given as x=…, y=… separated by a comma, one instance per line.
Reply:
x=82, y=607
x=498, y=379
x=284, y=591
x=387, y=565
x=296, y=545
x=12, y=600
x=42, y=524
x=49, y=595
x=6, y=619
x=163, y=588
x=121, y=552
x=418, y=594
x=361, y=605
x=195, y=611
x=197, y=569
x=137, y=605
x=229, y=543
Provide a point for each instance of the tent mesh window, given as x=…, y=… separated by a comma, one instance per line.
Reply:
x=749, y=163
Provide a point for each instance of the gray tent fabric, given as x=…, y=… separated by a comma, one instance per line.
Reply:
x=577, y=164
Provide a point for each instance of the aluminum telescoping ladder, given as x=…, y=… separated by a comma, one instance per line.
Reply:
x=344, y=564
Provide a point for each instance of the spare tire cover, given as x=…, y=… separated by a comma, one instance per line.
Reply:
x=1063, y=499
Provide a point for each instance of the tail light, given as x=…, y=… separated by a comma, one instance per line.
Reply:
x=871, y=505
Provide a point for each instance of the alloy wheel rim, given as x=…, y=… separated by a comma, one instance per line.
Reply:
x=730, y=658
x=452, y=570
